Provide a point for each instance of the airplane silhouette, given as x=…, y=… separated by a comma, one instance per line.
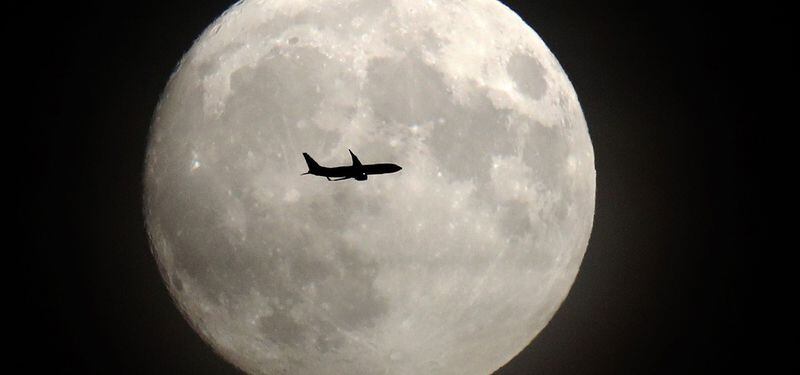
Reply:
x=357, y=171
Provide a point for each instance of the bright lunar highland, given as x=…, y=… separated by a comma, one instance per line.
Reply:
x=450, y=266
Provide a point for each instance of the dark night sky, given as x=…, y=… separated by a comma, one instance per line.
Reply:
x=664, y=285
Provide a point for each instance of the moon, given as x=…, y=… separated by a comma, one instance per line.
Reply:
x=451, y=266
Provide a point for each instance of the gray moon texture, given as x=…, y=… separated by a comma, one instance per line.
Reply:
x=451, y=266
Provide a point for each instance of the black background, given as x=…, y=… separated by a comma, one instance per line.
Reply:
x=664, y=285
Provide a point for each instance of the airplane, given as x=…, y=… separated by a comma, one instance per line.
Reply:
x=357, y=171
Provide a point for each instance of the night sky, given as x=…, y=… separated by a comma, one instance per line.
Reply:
x=663, y=288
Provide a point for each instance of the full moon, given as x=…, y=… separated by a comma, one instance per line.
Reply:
x=450, y=266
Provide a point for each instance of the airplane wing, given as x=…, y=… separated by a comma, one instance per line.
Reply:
x=356, y=162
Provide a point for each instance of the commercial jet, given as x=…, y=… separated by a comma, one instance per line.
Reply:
x=357, y=171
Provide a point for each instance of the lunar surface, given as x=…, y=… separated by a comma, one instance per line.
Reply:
x=450, y=266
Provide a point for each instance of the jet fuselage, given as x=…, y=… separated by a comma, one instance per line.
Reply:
x=357, y=171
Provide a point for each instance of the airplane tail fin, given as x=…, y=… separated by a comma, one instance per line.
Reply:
x=312, y=164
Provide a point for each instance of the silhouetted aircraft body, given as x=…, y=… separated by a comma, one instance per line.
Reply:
x=357, y=171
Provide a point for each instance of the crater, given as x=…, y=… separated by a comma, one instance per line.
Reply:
x=281, y=328
x=514, y=219
x=528, y=75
